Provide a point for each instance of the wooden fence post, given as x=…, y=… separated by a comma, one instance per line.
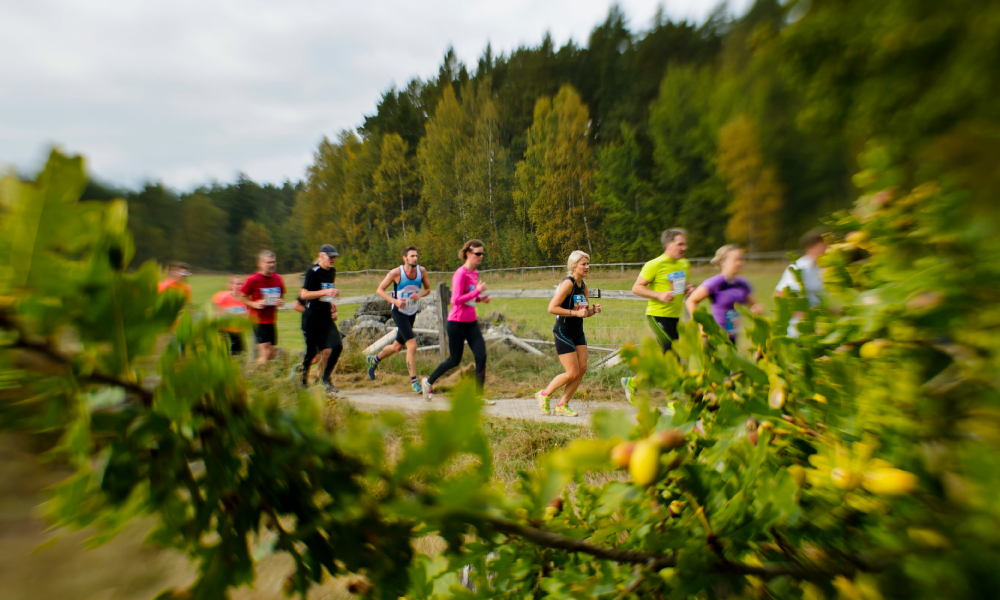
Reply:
x=444, y=297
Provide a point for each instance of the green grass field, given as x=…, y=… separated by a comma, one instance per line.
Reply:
x=621, y=320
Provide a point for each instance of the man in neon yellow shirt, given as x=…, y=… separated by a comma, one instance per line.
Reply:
x=665, y=281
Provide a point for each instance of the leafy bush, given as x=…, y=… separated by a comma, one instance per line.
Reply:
x=857, y=461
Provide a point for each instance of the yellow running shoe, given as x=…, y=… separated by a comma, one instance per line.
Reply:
x=565, y=411
x=543, y=402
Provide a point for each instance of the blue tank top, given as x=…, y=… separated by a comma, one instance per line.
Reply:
x=406, y=288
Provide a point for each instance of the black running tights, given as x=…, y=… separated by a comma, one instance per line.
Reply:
x=459, y=333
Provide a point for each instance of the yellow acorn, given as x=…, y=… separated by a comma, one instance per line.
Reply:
x=798, y=474
x=844, y=478
x=819, y=398
x=873, y=349
x=644, y=463
x=928, y=538
x=668, y=439
x=777, y=397
x=890, y=481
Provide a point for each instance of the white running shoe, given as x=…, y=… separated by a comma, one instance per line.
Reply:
x=425, y=387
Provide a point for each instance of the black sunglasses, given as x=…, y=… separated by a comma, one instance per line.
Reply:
x=479, y=253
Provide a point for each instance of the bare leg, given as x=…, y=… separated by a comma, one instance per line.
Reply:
x=411, y=357
x=389, y=350
x=569, y=362
x=581, y=367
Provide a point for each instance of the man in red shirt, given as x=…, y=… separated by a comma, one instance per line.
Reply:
x=263, y=293
x=227, y=305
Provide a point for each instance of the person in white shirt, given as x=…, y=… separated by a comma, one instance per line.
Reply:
x=813, y=246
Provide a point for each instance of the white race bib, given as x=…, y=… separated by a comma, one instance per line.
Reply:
x=580, y=301
x=327, y=286
x=404, y=293
x=677, y=281
x=270, y=295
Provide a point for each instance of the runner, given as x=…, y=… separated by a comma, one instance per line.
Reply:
x=318, y=320
x=227, y=304
x=262, y=293
x=177, y=274
x=726, y=290
x=462, y=323
x=813, y=246
x=570, y=304
x=407, y=281
x=663, y=281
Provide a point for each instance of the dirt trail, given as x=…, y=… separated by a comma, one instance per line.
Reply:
x=514, y=408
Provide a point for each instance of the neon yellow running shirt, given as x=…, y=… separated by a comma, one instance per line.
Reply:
x=666, y=274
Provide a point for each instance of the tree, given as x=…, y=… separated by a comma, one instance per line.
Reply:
x=203, y=233
x=631, y=215
x=556, y=178
x=253, y=239
x=756, y=190
x=395, y=184
x=684, y=137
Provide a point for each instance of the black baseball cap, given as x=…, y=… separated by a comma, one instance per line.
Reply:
x=329, y=250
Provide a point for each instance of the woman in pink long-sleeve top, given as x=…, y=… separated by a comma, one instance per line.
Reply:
x=462, y=323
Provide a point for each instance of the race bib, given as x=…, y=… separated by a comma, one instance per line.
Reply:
x=404, y=293
x=472, y=302
x=731, y=318
x=327, y=286
x=237, y=310
x=580, y=301
x=677, y=281
x=270, y=295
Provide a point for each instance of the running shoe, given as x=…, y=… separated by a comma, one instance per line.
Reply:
x=489, y=402
x=330, y=389
x=565, y=411
x=296, y=372
x=428, y=391
x=543, y=403
x=628, y=387
x=371, y=367
x=416, y=388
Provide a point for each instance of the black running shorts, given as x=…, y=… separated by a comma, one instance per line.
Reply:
x=265, y=333
x=404, y=326
x=567, y=339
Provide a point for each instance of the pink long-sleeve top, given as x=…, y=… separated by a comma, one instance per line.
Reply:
x=464, y=295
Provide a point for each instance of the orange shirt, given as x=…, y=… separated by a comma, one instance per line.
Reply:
x=177, y=285
x=225, y=304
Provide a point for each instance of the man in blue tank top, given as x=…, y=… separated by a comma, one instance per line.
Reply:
x=410, y=284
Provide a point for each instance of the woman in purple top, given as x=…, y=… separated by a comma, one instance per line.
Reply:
x=725, y=290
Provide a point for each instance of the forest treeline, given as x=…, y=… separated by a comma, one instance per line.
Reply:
x=740, y=130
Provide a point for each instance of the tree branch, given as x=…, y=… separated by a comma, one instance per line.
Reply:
x=46, y=349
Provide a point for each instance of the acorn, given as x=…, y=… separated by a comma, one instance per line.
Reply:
x=844, y=479
x=874, y=349
x=668, y=439
x=644, y=464
x=621, y=454
x=889, y=482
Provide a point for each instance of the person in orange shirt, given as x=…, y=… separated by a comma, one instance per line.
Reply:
x=226, y=304
x=177, y=273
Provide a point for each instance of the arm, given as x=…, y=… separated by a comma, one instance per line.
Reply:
x=459, y=297
x=390, y=277
x=755, y=307
x=592, y=309
x=699, y=294
x=245, y=299
x=427, y=285
x=562, y=292
x=640, y=288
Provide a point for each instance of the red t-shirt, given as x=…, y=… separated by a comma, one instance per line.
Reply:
x=268, y=288
x=225, y=304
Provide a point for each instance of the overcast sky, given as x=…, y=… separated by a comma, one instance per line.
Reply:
x=190, y=91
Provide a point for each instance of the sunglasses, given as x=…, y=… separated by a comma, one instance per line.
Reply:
x=479, y=253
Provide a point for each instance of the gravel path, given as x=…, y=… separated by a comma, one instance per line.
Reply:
x=514, y=408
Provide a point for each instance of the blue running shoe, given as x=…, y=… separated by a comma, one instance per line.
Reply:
x=372, y=365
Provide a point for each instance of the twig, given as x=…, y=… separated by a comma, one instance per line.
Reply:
x=46, y=349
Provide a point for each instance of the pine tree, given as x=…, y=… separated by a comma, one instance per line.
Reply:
x=754, y=184
x=203, y=237
x=628, y=203
x=253, y=239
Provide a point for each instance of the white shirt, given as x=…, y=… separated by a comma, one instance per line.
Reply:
x=812, y=277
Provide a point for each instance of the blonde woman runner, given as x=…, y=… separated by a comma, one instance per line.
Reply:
x=571, y=305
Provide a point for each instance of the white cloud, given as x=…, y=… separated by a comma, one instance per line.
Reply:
x=189, y=91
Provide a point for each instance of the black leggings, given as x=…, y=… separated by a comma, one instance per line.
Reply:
x=458, y=333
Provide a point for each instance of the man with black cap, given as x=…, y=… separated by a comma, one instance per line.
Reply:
x=322, y=335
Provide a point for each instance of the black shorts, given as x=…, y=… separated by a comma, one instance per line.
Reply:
x=322, y=336
x=235, y=342
x=404, y=326
x=665, y=330
x=567, y=339
x=265, y=333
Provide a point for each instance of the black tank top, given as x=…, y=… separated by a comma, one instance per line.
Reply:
x=576, y=299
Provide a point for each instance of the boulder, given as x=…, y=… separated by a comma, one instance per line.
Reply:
x=377, y=307
x=345, y=325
